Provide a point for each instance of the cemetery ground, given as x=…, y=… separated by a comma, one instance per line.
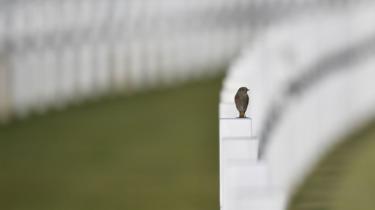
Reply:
x=155, y=150
x=344, y=179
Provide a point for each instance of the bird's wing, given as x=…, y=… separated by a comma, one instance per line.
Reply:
x=237, y=101
x=236, y=97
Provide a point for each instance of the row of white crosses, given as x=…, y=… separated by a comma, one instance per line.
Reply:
x=311, y=83
x=56, y=52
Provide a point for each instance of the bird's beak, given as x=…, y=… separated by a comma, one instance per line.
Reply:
x=247, y=89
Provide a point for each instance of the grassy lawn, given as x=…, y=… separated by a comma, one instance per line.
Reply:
x=345, y=178
x=156, y=150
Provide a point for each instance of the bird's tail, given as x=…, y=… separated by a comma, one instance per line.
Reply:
x=242, y=114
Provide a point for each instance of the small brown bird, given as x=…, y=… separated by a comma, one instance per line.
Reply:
x=242, y=100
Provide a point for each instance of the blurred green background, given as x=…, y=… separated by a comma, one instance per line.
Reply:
x=154, y=150
x=344, y=179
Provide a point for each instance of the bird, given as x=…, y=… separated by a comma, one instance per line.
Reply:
x=242, y=100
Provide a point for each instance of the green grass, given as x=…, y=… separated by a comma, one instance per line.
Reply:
x=344, y=179
x=156, y=150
